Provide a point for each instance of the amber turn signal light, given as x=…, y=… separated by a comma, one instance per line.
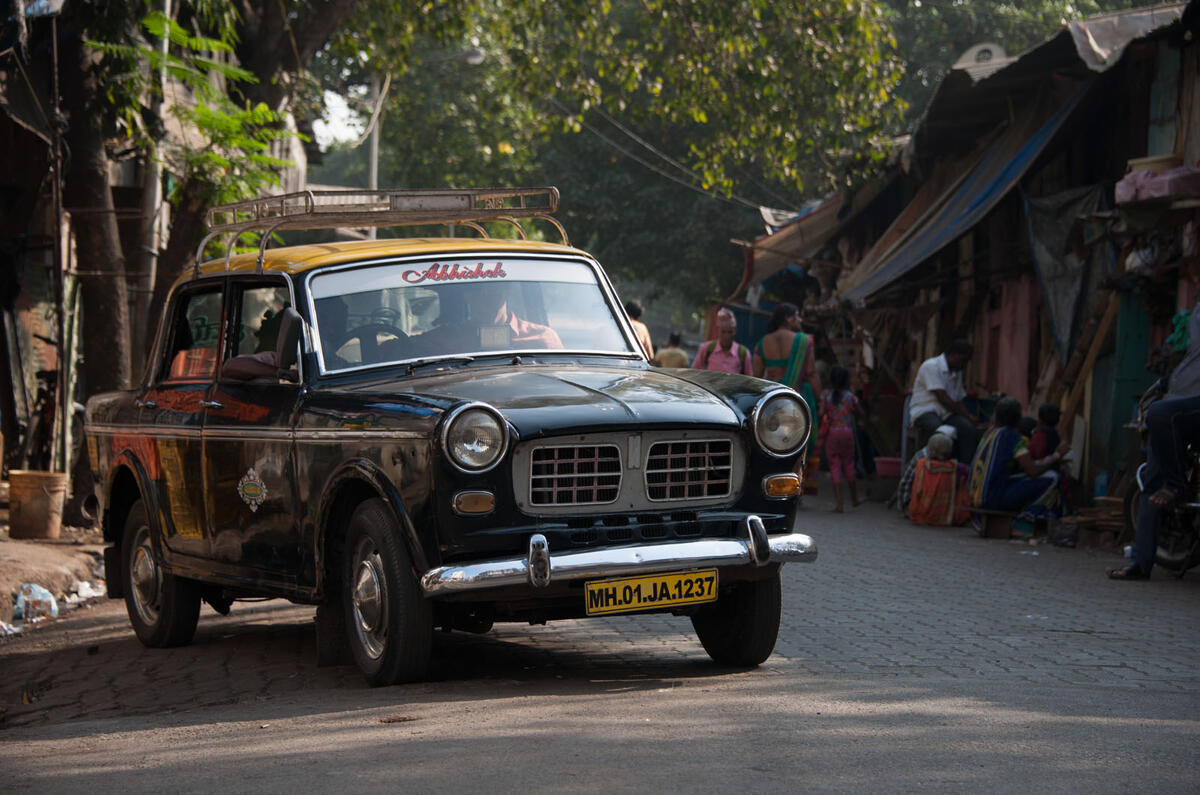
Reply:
x=779, y=486
x=474, y=503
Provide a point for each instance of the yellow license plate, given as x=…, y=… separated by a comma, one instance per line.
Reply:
x=651, y=591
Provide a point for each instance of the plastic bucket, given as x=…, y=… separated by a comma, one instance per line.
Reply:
x=35, y=503
x=886, y=467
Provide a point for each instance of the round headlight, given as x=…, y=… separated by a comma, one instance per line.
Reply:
x=781, y=424
x=475, y=438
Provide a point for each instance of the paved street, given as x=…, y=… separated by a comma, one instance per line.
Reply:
x=912, y=659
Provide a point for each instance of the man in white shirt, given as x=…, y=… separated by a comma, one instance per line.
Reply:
x=937, y=399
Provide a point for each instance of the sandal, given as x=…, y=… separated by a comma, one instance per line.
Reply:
x=1133, y=572
x=1165, y=498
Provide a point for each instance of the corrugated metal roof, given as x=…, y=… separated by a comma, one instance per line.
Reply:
x=963, y=110
x=969, y=199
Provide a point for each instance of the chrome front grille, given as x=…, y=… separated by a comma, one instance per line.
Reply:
x=615, y=472
x=575, y=475
x=689, y=470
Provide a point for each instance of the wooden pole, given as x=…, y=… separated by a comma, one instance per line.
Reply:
x=60, y=429
x=1071, y=402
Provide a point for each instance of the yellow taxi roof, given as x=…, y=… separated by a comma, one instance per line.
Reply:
x=298, y=259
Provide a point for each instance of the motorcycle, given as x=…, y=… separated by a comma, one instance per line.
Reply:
x=1179, y=535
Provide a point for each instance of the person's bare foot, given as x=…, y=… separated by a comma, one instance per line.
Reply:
x=838, y=509
x=858, y=503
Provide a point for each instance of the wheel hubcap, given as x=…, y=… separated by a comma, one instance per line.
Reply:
x=369, y=597
x=145, y=579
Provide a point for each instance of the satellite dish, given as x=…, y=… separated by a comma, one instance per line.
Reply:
x=981, y=54
x=981, y=60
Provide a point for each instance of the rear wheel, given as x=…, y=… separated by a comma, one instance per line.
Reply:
x=389, y=622
x=741, y=628
x=163, y=608
x=1178, y=541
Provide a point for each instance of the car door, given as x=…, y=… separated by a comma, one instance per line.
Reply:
x=172, y=413
x=248, y=440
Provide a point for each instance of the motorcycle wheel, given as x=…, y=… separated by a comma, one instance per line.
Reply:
x=1178, y=541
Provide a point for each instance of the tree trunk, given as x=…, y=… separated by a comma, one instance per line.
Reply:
x=269, y=46
x=106, y=344
x=187, y=230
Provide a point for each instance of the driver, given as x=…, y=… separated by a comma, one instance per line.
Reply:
x=489, y=325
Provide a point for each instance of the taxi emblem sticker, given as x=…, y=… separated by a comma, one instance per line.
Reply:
x=252, y=489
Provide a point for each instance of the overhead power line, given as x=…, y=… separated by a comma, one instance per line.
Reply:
x=733, y=199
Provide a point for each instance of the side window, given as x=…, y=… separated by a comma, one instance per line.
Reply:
x=195, y=332
x=258, y=318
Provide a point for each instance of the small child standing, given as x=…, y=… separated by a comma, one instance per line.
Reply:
x=838, y=408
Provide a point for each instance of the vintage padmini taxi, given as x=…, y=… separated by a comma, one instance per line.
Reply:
x=445, y=432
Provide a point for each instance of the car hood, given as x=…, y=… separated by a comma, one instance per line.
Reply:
x=538, y=399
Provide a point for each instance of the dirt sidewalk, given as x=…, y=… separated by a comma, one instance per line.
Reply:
x=56, y=565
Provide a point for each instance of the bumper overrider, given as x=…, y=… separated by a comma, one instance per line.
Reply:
x=538, y=568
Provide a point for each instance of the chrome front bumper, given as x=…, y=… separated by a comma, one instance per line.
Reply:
x=538, y=568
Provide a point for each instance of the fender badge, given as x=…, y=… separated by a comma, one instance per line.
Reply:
x=252, y=490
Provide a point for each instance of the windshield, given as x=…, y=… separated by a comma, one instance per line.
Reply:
x=397, y=312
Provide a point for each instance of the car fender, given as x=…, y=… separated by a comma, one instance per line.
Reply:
x=126, y=460
x=368, y=473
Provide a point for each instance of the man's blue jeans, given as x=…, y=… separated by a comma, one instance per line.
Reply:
x=1170, y=425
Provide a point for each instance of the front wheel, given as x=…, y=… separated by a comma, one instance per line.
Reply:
x=163, y=608
x=388, y=620
x=741, y=628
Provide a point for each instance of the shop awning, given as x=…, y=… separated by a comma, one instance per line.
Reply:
x=985, y=180
x=802, y=237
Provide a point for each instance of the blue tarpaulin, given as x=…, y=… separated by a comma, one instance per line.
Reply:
x=968, y=201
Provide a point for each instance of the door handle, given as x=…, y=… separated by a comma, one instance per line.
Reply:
x=145, y=404
x=212, y=404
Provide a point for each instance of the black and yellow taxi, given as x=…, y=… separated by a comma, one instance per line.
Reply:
x=436, y=432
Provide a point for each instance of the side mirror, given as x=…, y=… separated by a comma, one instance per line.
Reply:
x=290, y=325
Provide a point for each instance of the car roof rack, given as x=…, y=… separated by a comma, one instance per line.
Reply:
x=331, y=209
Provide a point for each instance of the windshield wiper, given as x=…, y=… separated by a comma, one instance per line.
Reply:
x=413, y=365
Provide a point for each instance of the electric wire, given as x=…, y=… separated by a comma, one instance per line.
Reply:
x=733, y=199
x=672, y=161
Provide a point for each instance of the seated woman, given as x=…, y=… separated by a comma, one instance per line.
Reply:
x=937, y=491
x=1006, y=477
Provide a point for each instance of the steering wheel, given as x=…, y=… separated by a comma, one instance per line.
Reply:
x=368, y=339
x=385, y=314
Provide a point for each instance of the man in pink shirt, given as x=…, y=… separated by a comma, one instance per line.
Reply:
x=723, y=353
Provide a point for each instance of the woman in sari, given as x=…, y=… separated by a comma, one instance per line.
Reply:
x=1006, y=477
x=785, y=355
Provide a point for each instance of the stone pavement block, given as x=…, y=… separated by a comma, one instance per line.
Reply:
x=884, y=600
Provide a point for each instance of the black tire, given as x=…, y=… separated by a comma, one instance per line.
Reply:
x=163, y=608
x=389, y=622
x=1178, y=543
x=741, y=628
